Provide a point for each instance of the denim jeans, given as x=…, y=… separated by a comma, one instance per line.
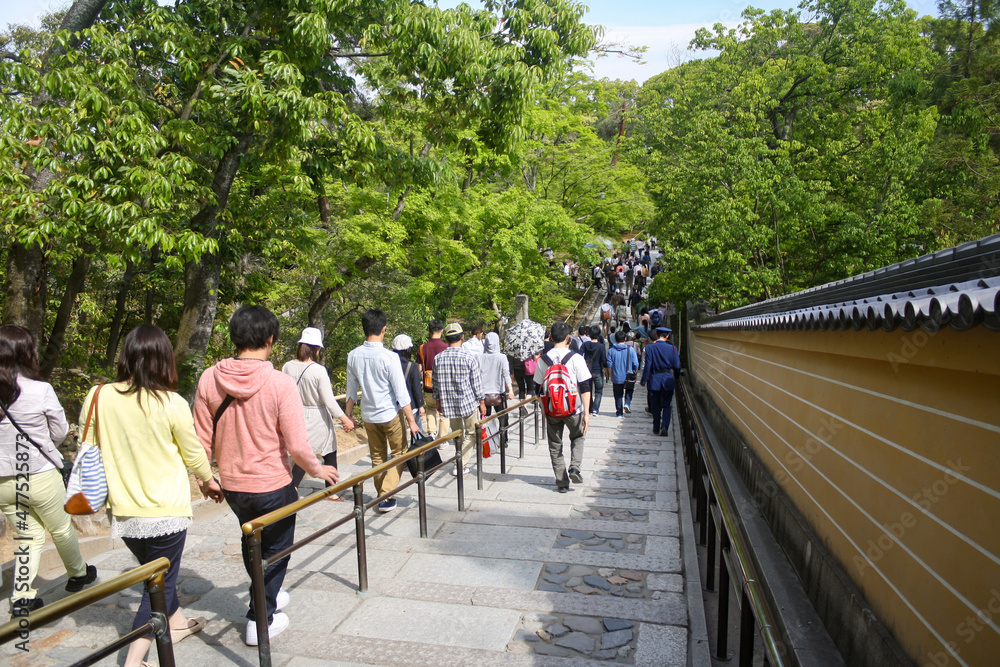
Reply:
x=274, y=538
x=619, y=391
x=629, y=391
x=146, y=551
x=597, y=393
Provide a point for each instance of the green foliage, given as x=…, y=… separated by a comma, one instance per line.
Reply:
x=788, y=160
x=385, y=152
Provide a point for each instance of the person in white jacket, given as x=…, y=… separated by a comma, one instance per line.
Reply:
x=31, y=486
x=316, y=391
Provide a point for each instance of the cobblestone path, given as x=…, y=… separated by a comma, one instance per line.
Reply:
x=526, y=576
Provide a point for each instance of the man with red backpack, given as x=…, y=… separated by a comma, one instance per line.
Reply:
x=565, y=383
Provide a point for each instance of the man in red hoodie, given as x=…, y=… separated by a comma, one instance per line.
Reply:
x=250, y=413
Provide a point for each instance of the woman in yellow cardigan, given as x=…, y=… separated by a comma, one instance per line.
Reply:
x=146, y=435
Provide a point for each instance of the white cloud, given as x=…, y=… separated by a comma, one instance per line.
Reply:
x=666, y=43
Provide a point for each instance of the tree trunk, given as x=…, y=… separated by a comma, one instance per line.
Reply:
x=25, y=300
x=80, y=16
x=25, y=294
x=324, y=210
x=57, y=340
x=318, y=307
x=116, y=324
x=321, y=301
x=154, y=259
x=201, y=278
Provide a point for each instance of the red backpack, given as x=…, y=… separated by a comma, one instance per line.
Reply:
x=559, y=388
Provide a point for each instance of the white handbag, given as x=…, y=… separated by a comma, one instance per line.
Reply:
x=87, y=489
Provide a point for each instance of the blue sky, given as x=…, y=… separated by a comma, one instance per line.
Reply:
x=665, y=26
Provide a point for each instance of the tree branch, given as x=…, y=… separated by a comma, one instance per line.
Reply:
x=189, y=106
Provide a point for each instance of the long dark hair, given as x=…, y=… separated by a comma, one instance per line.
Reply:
x=146, y=361
x=17, y=357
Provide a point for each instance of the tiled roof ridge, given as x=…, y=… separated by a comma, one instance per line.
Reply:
x=958, y=286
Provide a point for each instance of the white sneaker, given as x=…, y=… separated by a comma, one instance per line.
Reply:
x=278, y=625
x=282, y=600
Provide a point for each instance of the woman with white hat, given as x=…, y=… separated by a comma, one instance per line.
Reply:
x=321, y=407
x=403, y=346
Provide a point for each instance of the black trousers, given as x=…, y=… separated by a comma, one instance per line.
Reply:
x=328, y=459
x=659, y=403
x=521, y=378
x=504, y=420
x=147, y=550
x=274, y=538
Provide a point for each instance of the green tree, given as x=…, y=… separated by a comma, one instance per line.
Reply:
x=787, y=160
x=961, y=175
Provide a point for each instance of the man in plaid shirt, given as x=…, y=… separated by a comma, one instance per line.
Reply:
x=458, y=389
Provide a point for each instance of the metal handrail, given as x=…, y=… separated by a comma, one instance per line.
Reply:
x=732, y=541
x=153, y=573
x=522, y=415
x=252, y=529
x=572, y=313
x=262, y=522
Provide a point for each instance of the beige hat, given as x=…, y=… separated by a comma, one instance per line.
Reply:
x=312, y=336
x=402, y=342
x=452, y=329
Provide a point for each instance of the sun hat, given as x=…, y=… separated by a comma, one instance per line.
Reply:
x=312, y=336
x=402, y=342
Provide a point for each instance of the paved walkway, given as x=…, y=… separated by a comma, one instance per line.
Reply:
x=526, y=576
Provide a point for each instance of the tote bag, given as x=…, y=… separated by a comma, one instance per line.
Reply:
x=87, y=490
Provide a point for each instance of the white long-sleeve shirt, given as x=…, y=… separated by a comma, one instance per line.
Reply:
x=38, y=413
x=378, y=373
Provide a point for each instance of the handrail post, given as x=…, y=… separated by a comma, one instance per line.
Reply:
x=710, y=568
x=747, y=627
x=158, y=610
x=722, y=620
x=421, y=496
x=359, y=530
x=460, y=473
x=479, y=455
x=522, y=415
x=259, y=598
x=502, y=432
x=538, y=423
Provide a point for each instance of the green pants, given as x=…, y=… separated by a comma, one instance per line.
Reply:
x=42, y=510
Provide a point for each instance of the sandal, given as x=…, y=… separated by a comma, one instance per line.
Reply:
x=335, y=498
x=195, y=625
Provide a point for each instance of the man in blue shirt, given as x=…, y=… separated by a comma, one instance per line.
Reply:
x=662, y=361
x=378, y=374
x=622, y=360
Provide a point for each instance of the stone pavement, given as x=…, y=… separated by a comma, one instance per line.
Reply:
x=526, y=576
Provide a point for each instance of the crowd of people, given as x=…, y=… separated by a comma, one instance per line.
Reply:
x=266, y=429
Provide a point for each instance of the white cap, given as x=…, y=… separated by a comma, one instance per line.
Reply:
x=402, y=342
x=312, y=336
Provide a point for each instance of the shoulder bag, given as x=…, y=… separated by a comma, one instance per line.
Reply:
x=87, y=489
x=428, y=379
